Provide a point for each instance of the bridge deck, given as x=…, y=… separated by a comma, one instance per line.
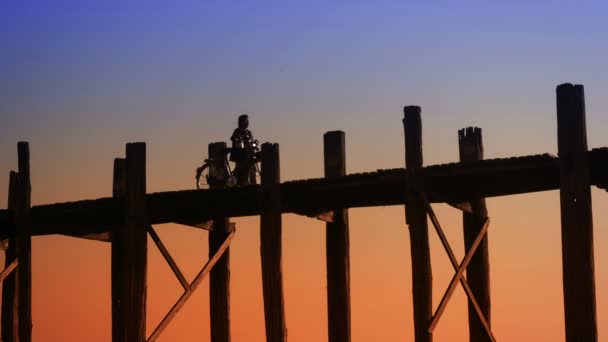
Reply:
x=451, y=183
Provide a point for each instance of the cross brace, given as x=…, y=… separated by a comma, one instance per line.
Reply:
x=459, y=268
x=189, y=288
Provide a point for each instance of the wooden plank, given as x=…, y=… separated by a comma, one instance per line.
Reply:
x=205, y=225
x=470, y=146
x=337, y=246
x=464, y=206
x=325, y=216
x=102, y=237
x=23, y=222
x=193, y=286
x=271, y=245
x=168, y=258
x=130, y=252
x=9, y=286
x=444, y=183
x=219, y=277
x=415, y=213
x=576, y=216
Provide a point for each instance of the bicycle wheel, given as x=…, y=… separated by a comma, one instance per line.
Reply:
x=202, y=176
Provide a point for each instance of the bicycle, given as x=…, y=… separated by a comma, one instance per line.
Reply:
x=221, y=174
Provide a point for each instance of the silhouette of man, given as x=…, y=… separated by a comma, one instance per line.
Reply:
x=243, y=151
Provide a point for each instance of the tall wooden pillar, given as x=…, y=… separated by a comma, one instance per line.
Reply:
x=129, y=251
x=9, y=286
x=219, y=277
x=23, y=222
x=576, y=216
x=470, y=145
x=416, y=218
x=272, y=246
x=337, y=246
x=119, y=188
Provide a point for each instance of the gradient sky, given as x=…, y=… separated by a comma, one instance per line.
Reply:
x=79, y=79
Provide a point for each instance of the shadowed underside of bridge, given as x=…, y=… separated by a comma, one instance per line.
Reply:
x=450, y=183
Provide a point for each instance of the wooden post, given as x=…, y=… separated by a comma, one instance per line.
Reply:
x=219, y=277
x=337, y=247
x=118, y=191
x=470, y=145
x=9, y=286
x=129, y=252
x=119, y=184
x=271, y=245
x=576, y=216
x=23, y=224
x=416, y=218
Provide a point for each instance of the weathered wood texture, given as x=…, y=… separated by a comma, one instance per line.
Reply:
x=9, y=286
x=416, y=218
x=219, y=277
x=443, y=183
x=24, y=243
x=337, y=246
x=470, y=146
x=272, y=246
x=130, y=253
x=576, y=216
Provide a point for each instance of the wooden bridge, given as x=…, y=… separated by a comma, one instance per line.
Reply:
x=125, y=219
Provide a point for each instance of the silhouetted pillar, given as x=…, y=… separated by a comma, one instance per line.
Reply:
x=272, y=246
x=9, y=286
x=337, y=246
x=470, y=145
x=119, y=188
x=23, y=222
x=416, y=218
x=129, y=252
x=219, y=277
x=576, y=215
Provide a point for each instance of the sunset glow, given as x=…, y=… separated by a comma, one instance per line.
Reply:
x=80, y=79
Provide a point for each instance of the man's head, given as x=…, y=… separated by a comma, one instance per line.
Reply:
x=243, y=121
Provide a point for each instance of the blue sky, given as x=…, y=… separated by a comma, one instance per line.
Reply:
x=133, y=70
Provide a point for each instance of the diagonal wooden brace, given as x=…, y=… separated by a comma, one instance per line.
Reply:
x=458, y=276
x=165, y=253
x=5, y=273
x=459, y=270
x=193, y=286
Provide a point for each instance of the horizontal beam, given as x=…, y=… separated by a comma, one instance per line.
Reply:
x=451, y=183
